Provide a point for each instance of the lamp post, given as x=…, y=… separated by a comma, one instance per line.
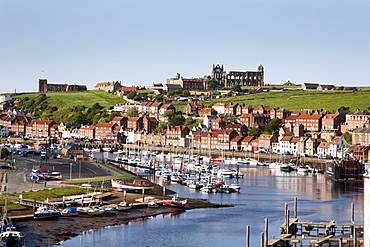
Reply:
x=79, y=170
x=70, y=171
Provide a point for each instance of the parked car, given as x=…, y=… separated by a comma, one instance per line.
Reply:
x=6, y=167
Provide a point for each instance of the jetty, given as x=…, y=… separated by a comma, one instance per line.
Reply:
x=294, y=231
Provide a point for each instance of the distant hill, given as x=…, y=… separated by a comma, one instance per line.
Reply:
x=298, y=99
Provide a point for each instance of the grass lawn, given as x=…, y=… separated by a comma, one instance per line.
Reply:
x=295, y=100
x=85, y=98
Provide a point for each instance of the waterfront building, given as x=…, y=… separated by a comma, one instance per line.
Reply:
x=361, y=152
x=311, y=122
x=354, y=119
x=103, y=130
x=361, y=136
x=176, y=135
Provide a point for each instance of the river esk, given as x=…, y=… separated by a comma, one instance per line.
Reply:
x=264, y=193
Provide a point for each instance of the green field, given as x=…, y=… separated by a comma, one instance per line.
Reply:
x=295, y=100
x=85, y=98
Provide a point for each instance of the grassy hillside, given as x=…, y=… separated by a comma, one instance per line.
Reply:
x=88, y=107
x=85, y=98
x=295, y=100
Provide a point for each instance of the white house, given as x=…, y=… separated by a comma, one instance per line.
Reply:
x=4, y=98
x=334, y=149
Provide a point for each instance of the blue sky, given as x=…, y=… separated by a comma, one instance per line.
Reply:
x=144, y=41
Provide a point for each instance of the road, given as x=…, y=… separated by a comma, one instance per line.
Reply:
x=19, y=180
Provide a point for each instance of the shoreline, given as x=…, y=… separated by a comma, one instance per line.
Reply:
x=42, y=233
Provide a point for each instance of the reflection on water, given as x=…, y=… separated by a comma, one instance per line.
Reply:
x=264, y=193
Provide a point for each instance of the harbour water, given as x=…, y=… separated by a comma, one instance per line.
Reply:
x=264, y=193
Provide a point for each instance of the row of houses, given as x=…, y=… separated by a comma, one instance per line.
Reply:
x=150, y=109
x=312, y=120
x=231, y=139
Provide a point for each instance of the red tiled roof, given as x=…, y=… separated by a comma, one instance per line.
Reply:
x=236, y=138
x=220, y=104
x=101, y=84
x=129, y=89
x=324, y=145
x=248, y=139
x=308, y=116
x=105, y=124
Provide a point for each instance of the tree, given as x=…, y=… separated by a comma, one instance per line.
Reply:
x=132, y=112
x=131, y=95
x=4, y=153
x=236, y=88
x=348, y=137
x=189, y=121
x=160, y=127
x=255, y=132
x=168, y=113
x=213, y=84
x=159, y=97
x=185, y=93
x=273, y=126
x=177, y=120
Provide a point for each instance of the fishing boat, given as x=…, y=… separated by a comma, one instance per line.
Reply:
x=11, y=236
x=69, y=211
x=124, y=206
x=6, y=223
x=345, y=170
x=225, y=188
x=45, y=213
x=176, y=202
x=134, y=185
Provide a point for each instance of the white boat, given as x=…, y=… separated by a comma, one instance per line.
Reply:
x=95, y=211
x=109, y=210
x=122, y=206
x=153, y=204
x=45, y=213
x=302, y=169
x=135, y=185
x=234, y=187
x=225, y=188
x=176, y=202
x=275, y=165
x=11, y=236
x=206, y=189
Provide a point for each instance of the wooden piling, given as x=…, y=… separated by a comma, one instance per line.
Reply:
x=295, y=207
x=247, y=236
x=266, y=231
x=262, y=238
